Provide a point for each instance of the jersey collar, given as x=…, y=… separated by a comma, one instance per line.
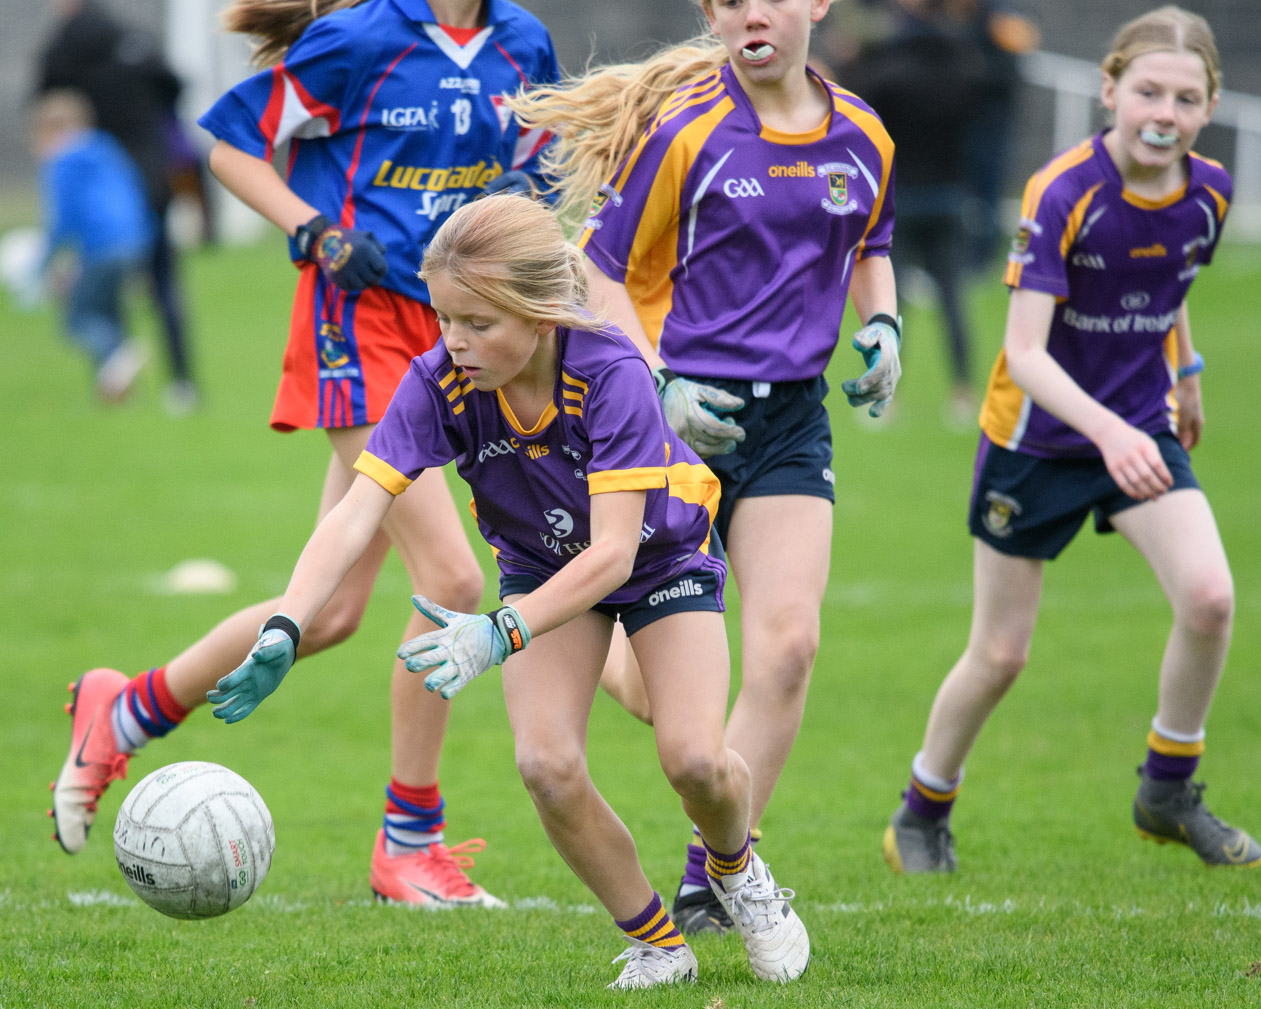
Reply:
x=419, y=12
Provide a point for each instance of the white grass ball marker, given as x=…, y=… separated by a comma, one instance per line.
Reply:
x=198, y=576
x=194, y=840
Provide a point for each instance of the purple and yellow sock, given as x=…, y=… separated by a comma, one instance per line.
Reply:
x=653, y=926
x=1170, y=758
x=718, y=864
x=929, y=796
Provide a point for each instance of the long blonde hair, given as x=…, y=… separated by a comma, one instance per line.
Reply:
x=510, y=250
x=276, y=23
x=598, y=116
x=1166, y=29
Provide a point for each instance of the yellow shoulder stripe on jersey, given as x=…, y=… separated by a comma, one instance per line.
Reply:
x=549, y=412
x=382, y=472
x=1075, y=218
x=874, y=130
x=1207, y=161
x=691, y=94
x=1051, y=171
x=654, y=251
x=576, y=382
x=639, y=478
x=1221, y=201
x=446, y=379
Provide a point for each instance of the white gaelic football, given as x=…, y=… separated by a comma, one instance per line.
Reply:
x=194, y=839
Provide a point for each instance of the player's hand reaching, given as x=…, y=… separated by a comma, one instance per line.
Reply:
x=243, y=689
x=464, y=646
x=878, y=342
x=1134, y=462
x=692, y=411
x=348, y=258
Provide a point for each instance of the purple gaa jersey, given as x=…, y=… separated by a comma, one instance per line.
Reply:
x=604, y=431
x=1119, y=266
x=736, y=242
x=391, y=123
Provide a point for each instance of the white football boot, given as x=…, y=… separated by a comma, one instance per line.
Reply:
x=774, y=937
x=648, y=966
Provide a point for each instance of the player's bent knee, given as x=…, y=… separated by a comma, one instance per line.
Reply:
x=1208, y=607
x=695, y=771
x=1002, y=662
x=551, y=775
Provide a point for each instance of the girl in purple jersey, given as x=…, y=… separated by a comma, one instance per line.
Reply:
x=741, y=198
x=345, y=268
x=522, y=350
x=1112, y=233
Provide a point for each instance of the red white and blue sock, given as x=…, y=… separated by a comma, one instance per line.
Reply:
x=144, y=710
x=930, y=795
x=413, y=817
x=653, y=925
x=1172, y=756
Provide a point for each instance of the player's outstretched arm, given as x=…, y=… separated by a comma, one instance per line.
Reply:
x=337, y=543
x=1131, y=456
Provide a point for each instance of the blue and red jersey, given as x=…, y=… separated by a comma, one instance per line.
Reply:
x=1119, y=266
x=735, y=241
x=392, y=120
x=532, y=484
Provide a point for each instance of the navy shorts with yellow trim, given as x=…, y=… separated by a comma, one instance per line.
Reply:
x=699, y=590
x=347, y=353
x=1028, y=506
x=787, y=447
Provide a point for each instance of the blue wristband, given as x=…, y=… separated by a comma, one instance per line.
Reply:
x=1194, y=368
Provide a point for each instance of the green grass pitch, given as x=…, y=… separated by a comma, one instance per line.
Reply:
x=1057, y=902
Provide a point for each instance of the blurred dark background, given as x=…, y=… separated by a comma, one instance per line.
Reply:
x=629, y=28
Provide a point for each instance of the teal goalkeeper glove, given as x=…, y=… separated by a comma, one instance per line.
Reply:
x=464, y=646
x=878, y=342
x=692, y=411
x=243, y=689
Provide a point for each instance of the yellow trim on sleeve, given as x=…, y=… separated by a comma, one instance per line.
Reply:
x=694, y=483
x=1221, y=201
x=382, y=472
x=639, y=478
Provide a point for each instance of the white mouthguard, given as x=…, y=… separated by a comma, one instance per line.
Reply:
x=757, y=52
x=1158, y=139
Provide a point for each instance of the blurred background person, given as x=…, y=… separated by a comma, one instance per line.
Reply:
x=943, y=88
x=94, y=204
x=132, y=91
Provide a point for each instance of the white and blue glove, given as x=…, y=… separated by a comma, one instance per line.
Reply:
x=464, y=646
x=243, y=689
x=692, y=411
x=878, y=342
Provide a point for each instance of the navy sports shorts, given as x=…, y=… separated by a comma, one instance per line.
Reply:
x=699, y=590
x=1028, y=506
x=787, y=447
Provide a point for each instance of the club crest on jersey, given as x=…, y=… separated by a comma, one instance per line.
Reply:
x=332, y=346
x=998, y=516
x=839, y=199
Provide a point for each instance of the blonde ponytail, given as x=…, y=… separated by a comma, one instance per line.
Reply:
x=598, y=116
